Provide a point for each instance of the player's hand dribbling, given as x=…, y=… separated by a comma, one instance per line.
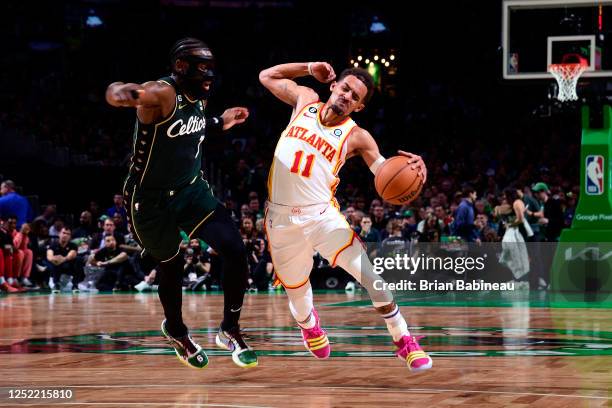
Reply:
x=124, y=95
x=322, y=71
x=234, y=116
x=417, y=162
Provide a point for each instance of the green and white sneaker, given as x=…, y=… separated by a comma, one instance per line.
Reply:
x=232, y=340
x=188, y=352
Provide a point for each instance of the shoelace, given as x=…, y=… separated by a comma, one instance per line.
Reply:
x=185, y=342
x=413, y=344
x=236, y=334
x=315, y=332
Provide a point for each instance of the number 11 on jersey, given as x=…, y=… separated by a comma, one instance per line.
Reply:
x=297, y=161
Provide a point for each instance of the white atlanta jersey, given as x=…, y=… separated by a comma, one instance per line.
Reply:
x=307, y=159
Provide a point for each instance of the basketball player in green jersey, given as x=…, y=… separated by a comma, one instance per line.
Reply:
x=166, y=192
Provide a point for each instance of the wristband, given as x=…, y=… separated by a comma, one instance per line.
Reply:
x=215, y=123
x=374, y=166
x=310, y=68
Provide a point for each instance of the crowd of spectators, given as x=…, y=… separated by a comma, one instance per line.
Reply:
x=100, y=253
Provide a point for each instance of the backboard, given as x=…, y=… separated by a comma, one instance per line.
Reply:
x=537, y=33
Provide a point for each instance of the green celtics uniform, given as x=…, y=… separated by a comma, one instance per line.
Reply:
x=165, y=190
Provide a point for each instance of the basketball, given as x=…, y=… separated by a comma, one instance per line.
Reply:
x=396, y=182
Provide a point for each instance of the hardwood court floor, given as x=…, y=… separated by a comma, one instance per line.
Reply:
x=107, y=349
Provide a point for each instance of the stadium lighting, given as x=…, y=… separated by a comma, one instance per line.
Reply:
x=377, y=26
x=376, y=58
x=387, y=64
x=392, y=57
x=359, y=58
x=383, y=60
x=356, y=64
x=367, y=61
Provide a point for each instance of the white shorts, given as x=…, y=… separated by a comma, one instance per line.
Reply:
x=296, y=233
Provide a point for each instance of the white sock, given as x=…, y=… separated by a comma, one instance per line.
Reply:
x=396, y=324
x=301, y=305
x=10, y=281
x=309, y=323
x=2, y=280
x=354, y=260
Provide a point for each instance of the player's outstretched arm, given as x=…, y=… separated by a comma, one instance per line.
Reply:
x=361, y=143
x=153, y=100
x=279, y=80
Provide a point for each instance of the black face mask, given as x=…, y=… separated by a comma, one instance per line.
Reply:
x=192, y=80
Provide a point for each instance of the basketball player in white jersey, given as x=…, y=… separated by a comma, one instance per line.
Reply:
x=302, y=214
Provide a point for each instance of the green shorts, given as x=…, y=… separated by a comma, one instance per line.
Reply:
x=158, y=216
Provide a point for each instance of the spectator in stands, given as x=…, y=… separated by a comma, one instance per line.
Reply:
x=22, y=256
x=118, y=207
x=379, y=218
x=245, y=211
x=115, y=263
x=120, y=224
x=360, y=204
x=254, y=245
x=464, y=218
x=39, y=242
x=409, y=224
x=432, y=230
x=48, y=215
x=374, y=203
x=6, y=260
x=550, y=214
x=531, y=208
x=12, y=203
x=348, y=213
x=61, y=259
x=197, y=268
x=514, y=251
x=480, y=207
x=98, y=242
x=254, y=206
x=569, y=209
x=86, y=228
x=482, y=226
x=425, y=215
x=260, y=228
x=56, y=227
x=444, y=219
x=247, y=228
x=366, y=232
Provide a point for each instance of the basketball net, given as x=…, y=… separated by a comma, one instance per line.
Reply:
x=567, y=75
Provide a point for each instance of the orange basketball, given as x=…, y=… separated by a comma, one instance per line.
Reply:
x=396, y=182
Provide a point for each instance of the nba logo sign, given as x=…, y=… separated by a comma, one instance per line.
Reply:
x=594, y=166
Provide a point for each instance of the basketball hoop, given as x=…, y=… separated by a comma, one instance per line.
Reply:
x=567, y=75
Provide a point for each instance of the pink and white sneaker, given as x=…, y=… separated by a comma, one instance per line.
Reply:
x=315, y=339
x=409, y=350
